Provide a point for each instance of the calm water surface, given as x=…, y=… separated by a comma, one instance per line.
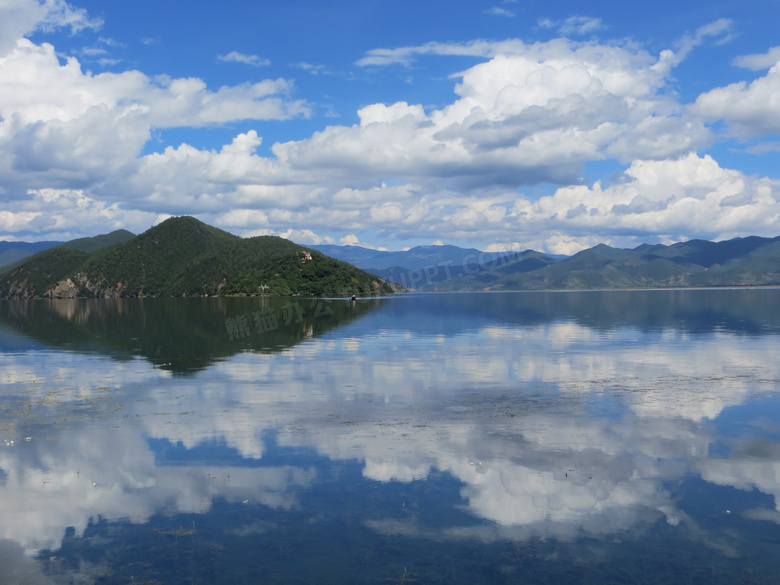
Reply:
x=578, y=437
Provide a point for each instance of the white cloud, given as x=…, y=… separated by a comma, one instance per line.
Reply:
x=760, y=61
x=566, y=244
x=21, y=17
x=719, y=29
x=498, y=11
x=574, y=25
x=661, y=197
x=93, y=51
x=304, y=237
x=750, y=109
x=527, y=114
x=658, y=197
x=533, y=114
x=34, y=82
x=63, y=128
x=764, y=147
x=313, y=69
x=65, y=214
x=582, y=25
x=236, y=57
x=407, y=55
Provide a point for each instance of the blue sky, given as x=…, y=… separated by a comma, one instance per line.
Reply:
x=514, y=124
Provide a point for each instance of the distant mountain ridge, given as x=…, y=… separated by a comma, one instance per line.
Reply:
x=183, y=256
x=422, y=267
x=14, y=252
x=750, y=261
x=96, y=243
x=414, y=258
x=11, y=252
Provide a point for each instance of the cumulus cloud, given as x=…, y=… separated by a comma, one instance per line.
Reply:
x=662, y=197
x=22, y=17
x=68, y=215
x=750, y=109
x=64, y=128
x=531, y=115
x=526, y=114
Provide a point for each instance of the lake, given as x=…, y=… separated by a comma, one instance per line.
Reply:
x=535, y=437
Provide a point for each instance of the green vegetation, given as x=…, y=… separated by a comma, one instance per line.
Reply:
x=14, y=257
x=749, y=261
x=99, y=242
x=40, y=272
x=185, y=257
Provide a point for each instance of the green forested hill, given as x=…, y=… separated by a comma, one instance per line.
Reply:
x=15, y=253
x=99, y=242
x=32, y=275
x=186, y=257
x=40, y=272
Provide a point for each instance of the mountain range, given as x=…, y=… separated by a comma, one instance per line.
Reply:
x=420, y=267
x=751, y=261
x=12, y=252
x=213, y=264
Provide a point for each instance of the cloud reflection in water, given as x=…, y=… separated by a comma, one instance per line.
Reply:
x=551, y=428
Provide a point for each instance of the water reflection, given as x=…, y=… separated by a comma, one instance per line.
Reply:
x=515, y=435
x=180, y=335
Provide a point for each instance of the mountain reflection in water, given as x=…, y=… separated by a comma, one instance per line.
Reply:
x=492, y=438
